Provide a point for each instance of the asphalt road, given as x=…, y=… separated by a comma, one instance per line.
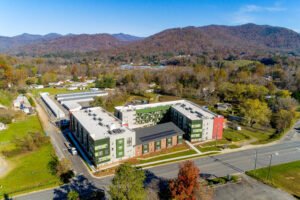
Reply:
x=287, y=150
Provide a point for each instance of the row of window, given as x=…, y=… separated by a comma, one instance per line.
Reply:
x=105, y=158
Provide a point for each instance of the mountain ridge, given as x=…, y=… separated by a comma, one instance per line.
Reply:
x=235, y=40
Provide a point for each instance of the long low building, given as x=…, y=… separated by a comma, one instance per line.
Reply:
x=79, y=95
x=55, y=109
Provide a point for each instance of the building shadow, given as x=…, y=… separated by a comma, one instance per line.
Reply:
x=81, y=185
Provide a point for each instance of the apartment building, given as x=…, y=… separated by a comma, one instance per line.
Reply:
x=102, y=136
x=196, y=122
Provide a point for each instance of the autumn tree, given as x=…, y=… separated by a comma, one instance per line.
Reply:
x=5, y=75
x=186, y=186
x=127, y=183
x=255, y=111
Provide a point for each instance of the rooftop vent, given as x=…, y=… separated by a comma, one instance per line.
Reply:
x=100, y=123
x=99, y=118
x=94, y=114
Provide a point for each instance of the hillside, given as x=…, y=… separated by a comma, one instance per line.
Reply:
x=248, y=39
x=70, y=43
x=244, y=39
x=126, y=37
x=21, y=40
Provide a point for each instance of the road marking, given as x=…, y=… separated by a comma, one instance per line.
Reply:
x=298, y=149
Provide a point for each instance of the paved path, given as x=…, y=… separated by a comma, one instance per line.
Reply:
x=193, y=147
x=3, y=166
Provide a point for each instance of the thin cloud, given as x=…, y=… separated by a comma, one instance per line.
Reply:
x=246, y=14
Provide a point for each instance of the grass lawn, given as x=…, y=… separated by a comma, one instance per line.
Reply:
x=174, y=155
x=206, y=149
x=28, y=172
x=53, y=91
x=6, y=98
x=31, y=172
x=234, y=135
x=240, y=62
x=31, y=124
x=179, y=159
x=212, y=143
x=285, y=176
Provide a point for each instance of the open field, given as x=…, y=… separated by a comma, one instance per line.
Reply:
x=30, y=172
x=285, y=176
x=6, y=98
x=27, y=172
x=53, y=91
x=19, y=129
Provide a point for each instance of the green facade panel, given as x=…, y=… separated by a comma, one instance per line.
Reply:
x=120, y=148
x=102, y=150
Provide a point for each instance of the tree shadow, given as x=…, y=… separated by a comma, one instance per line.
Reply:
x=157, y=184
x=81, y=185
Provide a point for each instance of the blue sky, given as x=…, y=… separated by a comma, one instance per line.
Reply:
x=139, y=17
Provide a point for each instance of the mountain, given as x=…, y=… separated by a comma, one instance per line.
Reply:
x=23, y=39
x=70, y=43
x=126, y=37
x=248, y=39
x=235, y=40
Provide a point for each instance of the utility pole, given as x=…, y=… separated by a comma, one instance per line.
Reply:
x=255, y=161
x=269, y=171
x=284, y=126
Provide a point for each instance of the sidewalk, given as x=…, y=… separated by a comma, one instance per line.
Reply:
x=193, y=147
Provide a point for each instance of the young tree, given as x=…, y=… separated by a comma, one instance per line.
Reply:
x=98, y=101
x=255, y=111
x=186, y=186
x=73, y=195
x=128, y=183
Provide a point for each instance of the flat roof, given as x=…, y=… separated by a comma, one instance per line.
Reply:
x=193, y=111
x=157, y=132
x=52, y=105
x=71, y=105
x=99, y=123
x=143, y=106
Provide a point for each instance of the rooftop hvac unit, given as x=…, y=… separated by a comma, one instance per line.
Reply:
x=85, y=111
x=94, y=118
x=99, y=118
x=94, y=114
x=100, y=123
x=90, y=114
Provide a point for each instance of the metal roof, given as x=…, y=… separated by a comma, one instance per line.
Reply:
x=158, y=132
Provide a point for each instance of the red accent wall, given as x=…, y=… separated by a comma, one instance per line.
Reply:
x=218, y=123
x=138, y=150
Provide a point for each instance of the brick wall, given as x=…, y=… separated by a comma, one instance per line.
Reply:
x=138, y=150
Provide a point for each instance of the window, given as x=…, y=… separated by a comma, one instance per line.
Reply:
x=129, y=142
x=120, y=142
x=120, y=153
x=120, y=147
x=100, y=153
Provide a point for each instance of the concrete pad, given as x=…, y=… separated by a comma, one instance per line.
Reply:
x=250, y=189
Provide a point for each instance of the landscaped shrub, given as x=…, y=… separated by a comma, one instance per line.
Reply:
x=234, y=179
